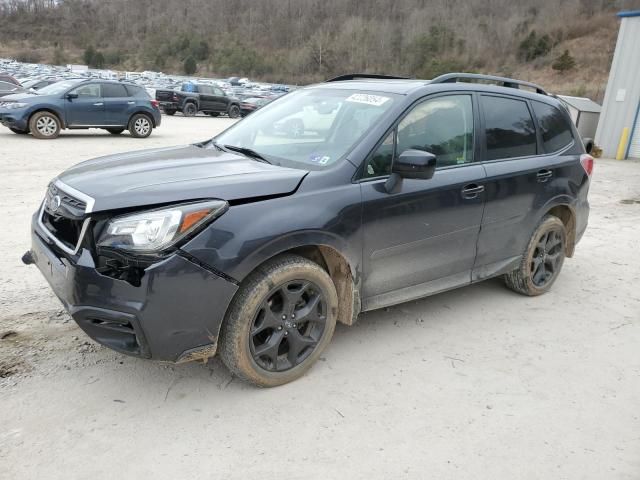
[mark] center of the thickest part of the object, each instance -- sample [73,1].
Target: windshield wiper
[247,152]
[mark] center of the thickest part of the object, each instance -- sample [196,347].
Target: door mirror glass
[71,96]
[416,164]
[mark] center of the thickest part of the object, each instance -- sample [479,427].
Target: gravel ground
[474,383]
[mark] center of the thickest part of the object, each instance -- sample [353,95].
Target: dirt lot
[474,383]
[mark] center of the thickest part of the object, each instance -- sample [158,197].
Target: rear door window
[509,128]
[554,126]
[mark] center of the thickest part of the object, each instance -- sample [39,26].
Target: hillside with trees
[566,46]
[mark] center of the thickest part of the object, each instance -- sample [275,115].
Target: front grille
[72,205]
[63,217]
[66,230]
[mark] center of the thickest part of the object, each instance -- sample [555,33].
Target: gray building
[618,132]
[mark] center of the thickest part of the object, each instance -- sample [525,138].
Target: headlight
[12,105]
[156,230]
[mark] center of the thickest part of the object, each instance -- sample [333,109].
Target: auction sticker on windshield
[376,100]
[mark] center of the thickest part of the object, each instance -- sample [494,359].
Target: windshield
[309,128]
[58,87]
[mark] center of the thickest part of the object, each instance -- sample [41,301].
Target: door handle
[98,104]
[471,191]
[544,175]
[131,103]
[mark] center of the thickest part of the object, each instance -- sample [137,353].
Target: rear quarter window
[137,92]
[554,126]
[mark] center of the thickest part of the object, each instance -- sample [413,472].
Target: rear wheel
[140,126]
[19,132]
[542,261]
[234,111]
[115,131]
[190,110]
[44,125]
[280,321]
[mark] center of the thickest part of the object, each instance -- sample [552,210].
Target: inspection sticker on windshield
[376,100]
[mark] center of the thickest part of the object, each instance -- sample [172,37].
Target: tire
[190,109]
[234,111]
[115,131]
[169,111]
[140,126]
[19,132]
[261,301]
[44,125]
[542,260]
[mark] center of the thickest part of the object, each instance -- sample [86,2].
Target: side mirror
[71,96]
[415,164]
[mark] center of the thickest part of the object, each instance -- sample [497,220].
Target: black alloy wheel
[288,326]
[547,257]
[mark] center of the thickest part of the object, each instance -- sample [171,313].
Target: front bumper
[14,118]
[174,315]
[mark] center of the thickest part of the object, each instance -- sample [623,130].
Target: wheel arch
[59,116]
[145,113]
[562,209]
[331,258]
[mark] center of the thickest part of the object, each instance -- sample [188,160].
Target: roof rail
[502,81]
[357,76]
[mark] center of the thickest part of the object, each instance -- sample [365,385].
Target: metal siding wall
[634,149]
[624,74]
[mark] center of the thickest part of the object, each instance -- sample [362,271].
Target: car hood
[21,97]
[175,174]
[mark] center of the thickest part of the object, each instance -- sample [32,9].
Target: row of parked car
[56,99]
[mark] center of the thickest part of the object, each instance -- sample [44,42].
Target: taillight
[587,162]
[155,104]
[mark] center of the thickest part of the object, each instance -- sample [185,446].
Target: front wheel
[279,322]
[44,125]
[542,260]
[234,111]
[140,126]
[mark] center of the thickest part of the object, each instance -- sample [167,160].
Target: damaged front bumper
[174,314]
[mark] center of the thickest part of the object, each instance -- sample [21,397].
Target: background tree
[190,66]
[564,62]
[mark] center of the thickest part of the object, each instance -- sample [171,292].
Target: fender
[249,234]
[50,108]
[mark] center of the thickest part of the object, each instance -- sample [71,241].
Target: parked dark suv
[255,243]
[80,104]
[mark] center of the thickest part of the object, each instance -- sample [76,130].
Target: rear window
[509,128]
[138,92]
[554,126]
[113,90]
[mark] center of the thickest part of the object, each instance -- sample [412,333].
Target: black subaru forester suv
[255,243]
